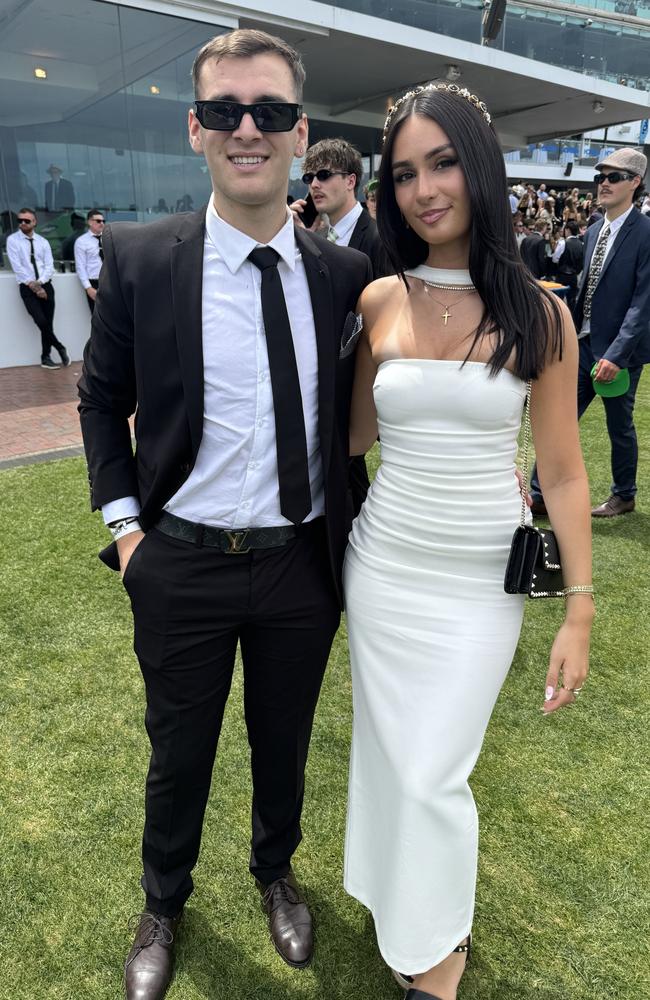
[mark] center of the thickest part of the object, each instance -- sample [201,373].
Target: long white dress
[432,635]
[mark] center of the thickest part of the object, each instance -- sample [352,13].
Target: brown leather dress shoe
[289,921]
[613,506]
[149,964]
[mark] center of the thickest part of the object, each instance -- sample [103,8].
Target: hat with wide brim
[617,387]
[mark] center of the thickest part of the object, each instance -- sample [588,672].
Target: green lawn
[562,909]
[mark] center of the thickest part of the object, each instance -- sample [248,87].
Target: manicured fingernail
[550,691]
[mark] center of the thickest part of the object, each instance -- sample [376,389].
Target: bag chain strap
[524,488]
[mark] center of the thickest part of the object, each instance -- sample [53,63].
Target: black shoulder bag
[534,561]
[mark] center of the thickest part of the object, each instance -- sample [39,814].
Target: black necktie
[293,466]
[99,240]
[32,258]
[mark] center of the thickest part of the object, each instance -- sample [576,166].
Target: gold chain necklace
[446,315]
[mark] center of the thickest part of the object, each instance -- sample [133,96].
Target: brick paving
[38,413]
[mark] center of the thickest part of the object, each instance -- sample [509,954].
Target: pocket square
[351,332]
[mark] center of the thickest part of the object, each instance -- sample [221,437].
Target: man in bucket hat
[612,317]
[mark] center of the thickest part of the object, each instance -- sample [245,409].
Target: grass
[562,898]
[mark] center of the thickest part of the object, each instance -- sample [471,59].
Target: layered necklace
[445,281]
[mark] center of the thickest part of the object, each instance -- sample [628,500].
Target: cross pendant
[446,315]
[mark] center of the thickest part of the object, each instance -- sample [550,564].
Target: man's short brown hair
[335,154]
[243,44]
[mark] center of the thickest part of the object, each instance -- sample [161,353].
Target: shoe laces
[152,929]
[280,892]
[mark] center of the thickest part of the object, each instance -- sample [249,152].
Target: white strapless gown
[432,635]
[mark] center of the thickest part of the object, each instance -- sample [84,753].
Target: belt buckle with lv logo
[237,539]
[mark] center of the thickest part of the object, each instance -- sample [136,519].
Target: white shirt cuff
[117,509]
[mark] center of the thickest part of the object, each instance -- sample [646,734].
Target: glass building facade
[95,95]
[100,92]
[612,49]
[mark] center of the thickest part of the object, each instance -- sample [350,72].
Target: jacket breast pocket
[350,337]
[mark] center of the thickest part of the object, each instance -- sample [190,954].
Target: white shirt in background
[19,254]
[345,226]
[87,261]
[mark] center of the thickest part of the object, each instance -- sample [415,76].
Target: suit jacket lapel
[590,245]
[358,232]
[320,289]
[187,292]
[621,236]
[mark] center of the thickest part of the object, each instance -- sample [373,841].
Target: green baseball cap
[617,387]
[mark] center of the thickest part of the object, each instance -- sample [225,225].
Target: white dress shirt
[614,229]
[87,261]
[19,253]
[559,250]
[234,482]
[345,226]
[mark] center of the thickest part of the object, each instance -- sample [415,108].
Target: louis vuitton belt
[229,540]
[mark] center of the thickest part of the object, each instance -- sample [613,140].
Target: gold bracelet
[578,589]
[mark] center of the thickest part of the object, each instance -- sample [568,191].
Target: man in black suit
[533,249]
[612,317]
[569,259]
[59,193]
[233,332]
[333,172]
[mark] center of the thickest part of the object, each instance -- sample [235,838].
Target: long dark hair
[522,316]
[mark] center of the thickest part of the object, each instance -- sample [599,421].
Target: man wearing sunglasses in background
[31,260]
[233,332]
[333,172]
[612,317]
[88,255]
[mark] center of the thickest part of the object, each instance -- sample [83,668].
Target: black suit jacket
[64,195]
[533,253]
[365,238]
[572,260]
[146,349]
[620,309]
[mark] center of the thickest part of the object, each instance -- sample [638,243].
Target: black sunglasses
[322,175]
[21,221]
[269,116]
[615,177]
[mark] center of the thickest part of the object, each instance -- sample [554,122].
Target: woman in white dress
[442,364]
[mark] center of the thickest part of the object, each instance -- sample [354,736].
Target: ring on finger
[574,691]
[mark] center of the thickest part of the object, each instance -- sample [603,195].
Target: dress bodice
[448,418]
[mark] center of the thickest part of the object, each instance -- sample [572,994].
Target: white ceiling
[354,63]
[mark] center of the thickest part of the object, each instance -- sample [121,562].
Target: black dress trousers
[191,605]
[94,283]
[42,312]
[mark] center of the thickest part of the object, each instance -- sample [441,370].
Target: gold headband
[451,88]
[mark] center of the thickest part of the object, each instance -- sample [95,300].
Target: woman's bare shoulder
[379,293]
